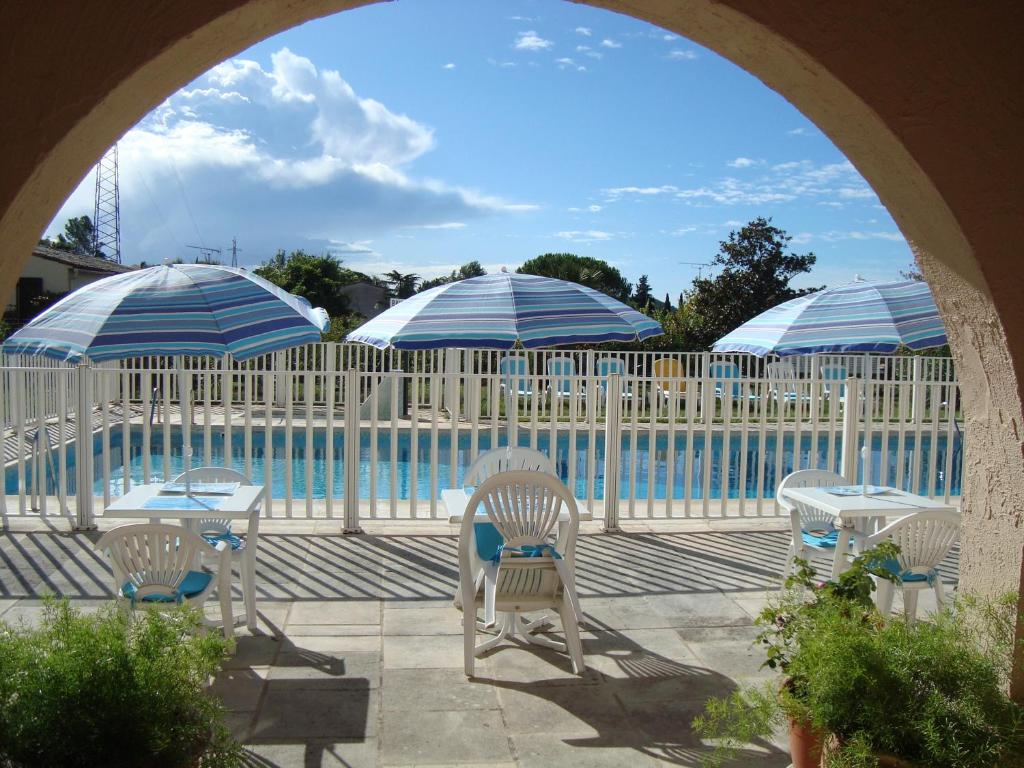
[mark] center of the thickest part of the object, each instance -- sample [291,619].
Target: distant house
[51,272]
[367,299]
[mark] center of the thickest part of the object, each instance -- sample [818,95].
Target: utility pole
[235,250]
[698,264]
[106,217]
[206,252]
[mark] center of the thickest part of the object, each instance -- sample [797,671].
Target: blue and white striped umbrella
[180,309]
[495,311]
[857,317]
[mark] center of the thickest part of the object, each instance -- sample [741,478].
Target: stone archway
[923,98]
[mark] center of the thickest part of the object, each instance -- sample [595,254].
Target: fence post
[351,403]
[84,520]
[851,419]
[612,452]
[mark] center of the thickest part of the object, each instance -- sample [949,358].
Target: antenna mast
[698,264]
[206,252]
[235,250]
[106,219]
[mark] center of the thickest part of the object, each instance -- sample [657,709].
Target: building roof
[80,261]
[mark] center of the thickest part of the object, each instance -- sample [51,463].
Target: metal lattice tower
[106,220]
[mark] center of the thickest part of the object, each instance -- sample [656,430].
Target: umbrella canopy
[858,317]
[496,311]
[179,309]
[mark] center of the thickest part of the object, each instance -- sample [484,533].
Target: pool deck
[358,659]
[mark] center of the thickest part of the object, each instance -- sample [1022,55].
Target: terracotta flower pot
[805,744]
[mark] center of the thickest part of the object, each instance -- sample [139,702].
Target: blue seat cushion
[893,567]
[229,537]
[488,540]
[193,583]
[820,539]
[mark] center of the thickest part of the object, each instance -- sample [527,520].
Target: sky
[422,134]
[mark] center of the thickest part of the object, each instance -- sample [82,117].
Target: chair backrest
[213,526]
[524,507]
[669,375]
[805,516]
[725,373]
[924,538]
[833,372]
[607,366]
[514,370]
[506,460]
[154,557]
[561,370]
[782,376]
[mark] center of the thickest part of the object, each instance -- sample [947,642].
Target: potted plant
[110,689]
[861,690]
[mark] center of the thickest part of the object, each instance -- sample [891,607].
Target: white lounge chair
[515,376]
[155,564]
[783,383]
[532,571]
[812,529]
[562,377]
[215,529]
[834,375]
[924,539]
[727,378]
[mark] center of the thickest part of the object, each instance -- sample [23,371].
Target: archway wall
[923,98]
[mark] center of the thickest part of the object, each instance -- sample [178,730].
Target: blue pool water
[649,464]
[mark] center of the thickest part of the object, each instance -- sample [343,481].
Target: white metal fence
[348,432]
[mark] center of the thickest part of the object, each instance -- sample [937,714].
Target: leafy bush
[930,694]
[111,690]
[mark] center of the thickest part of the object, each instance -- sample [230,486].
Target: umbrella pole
[185,411]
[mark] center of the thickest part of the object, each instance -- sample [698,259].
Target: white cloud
[680,231]
[801,238]
[584,236]
[585,31]
[284,157]
[681,55]
[594,208]
[743,162]
[733,223]
[668,37]
[445,225]
[530,41]
[567,63]
[617,192]
[609,43]
[340,248]
[449,65]
[833,236]
[798,132]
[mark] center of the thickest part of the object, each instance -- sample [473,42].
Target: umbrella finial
[505,270]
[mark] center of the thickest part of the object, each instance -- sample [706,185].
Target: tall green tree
[77,236]
[318,279]
[642,296]
[755,271]
[470,269]
[585,270]
[667,306]
[400,285]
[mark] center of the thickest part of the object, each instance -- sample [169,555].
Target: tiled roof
[78,261]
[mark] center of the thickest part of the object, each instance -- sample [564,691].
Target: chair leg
[884,596]
[469,640]
[910,605]
[940,593]
[790,556]
[572,636]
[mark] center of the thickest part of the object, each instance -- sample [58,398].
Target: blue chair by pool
[515,373]
[833,373]
[606,366]
[727,379]
[562,377]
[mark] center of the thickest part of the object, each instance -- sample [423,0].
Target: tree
[401,286]
[593,273]
[913,272]
[470,269]
[667,306]
[642,297]
[755,274]
[318,279]
[77,237]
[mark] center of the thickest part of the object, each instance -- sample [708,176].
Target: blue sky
[423,134]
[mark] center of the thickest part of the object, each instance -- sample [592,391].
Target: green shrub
[111,690]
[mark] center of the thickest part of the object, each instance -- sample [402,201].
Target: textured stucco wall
[923,97]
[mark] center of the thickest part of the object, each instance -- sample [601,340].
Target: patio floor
[358,661]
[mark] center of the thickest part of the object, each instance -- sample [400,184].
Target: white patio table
[851,512]
[244,504]
[455,501]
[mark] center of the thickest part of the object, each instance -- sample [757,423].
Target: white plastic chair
[783,382]
[562,377]
[726,376]
[924,539]
[153,566]
[485,535]
[215,529]
[812,529]
[530,573]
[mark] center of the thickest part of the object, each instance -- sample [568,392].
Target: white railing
[348,432]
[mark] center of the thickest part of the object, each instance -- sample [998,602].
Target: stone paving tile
[443,620]
[423,652]
[445,737]
[542,750]
[335,612]
[342,670]
[299,710]
[424,690]
[313,753]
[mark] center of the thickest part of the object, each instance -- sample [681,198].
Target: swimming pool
[652,470]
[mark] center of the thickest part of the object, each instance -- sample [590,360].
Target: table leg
[248,570]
